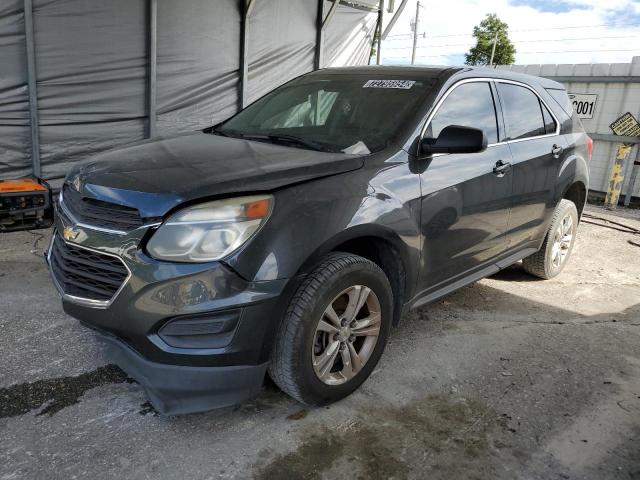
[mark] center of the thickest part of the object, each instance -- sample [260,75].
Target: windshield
[356,115]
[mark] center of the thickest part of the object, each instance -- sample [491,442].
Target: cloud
[543,31]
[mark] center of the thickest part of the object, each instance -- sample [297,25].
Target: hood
[155,176]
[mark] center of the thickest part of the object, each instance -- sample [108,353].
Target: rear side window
[522,111]
[562,99]
[469,105]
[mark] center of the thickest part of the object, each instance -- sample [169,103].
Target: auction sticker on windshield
[402,84]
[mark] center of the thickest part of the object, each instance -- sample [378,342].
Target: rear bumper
[180,389]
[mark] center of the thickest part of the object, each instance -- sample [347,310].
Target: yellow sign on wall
[626,126]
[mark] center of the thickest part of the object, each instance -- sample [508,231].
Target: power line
[536,40]
[529,30]
[571,39]
[515,42]
[538,52]
[585,51]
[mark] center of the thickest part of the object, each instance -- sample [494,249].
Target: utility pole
[415,33]
[493,50]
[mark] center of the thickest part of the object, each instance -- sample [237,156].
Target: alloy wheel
[346,335]
[562,241]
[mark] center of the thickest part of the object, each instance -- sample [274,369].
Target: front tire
[334,331]
[551,259]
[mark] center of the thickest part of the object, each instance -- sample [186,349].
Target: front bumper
[180,389]
[192,372]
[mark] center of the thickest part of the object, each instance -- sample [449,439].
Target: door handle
[556,150]
[501,168]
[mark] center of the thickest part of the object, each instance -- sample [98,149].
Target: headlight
[211,230]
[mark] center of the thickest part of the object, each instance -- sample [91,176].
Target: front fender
[408,255]
[315,218]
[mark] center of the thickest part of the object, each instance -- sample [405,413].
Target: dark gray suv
[293,236]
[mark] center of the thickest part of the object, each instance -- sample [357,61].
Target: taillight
[589,146]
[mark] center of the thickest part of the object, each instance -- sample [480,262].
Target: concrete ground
[509,378]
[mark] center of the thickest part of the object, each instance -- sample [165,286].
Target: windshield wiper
[271,137]
[281,137]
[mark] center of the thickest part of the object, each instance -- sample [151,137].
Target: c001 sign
[584,104]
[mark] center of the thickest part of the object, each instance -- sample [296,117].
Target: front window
[468,105]
[356,115]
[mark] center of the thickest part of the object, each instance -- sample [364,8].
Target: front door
[465,197]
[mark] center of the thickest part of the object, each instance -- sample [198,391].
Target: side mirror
[455,139]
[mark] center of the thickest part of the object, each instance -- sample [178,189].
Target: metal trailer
[617,86]
[79,77]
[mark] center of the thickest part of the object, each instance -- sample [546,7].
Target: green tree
[485,33]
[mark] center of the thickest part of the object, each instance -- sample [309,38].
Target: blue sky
[557,6]
[543,31]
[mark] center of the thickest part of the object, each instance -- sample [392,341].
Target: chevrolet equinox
[290,238]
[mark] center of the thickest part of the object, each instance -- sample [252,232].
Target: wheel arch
[577,193]
[382,246]
[573,181]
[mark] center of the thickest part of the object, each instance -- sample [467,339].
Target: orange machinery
[25,204]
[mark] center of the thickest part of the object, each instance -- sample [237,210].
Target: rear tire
[554,254]
[327,345]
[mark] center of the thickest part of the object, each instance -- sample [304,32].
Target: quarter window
[549,122]
[469,105]
[562,99]
[522,111]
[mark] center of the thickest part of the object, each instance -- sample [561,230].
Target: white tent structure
[83,76]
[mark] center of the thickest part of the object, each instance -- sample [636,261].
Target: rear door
[536,150]
[465,201]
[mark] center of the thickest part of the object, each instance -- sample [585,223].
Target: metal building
[603,92]
[83,76]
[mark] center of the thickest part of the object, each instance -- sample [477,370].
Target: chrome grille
[86,274]
[98,213]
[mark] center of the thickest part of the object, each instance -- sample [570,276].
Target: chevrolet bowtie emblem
[69,233]
[77,183]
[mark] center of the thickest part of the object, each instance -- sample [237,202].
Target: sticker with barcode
[401,84]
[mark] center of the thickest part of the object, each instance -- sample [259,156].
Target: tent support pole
[32,85]
[380,20]
[317,61]
[332,10]
[321,25]
[153,67]
[247,7]
[394,19]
